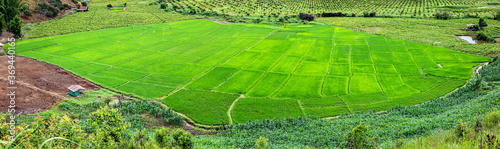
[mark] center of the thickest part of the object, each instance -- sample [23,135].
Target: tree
[482,23]
[15,26]
[84,4]
[10,8]
[2,23]
[109,6]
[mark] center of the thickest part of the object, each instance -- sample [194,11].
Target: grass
[299,62]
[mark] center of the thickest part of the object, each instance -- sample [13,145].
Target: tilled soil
[39,85]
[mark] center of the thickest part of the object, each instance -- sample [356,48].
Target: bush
[163,138]
[84,4]
[482,36]
[373,14]
[366,14]
[124,4]
[357,138]
[443,15]
[492,119]
[107,100]
[460,130]
[305,16]
[109,6]
[497,15]
[261,143]
[336,14]
[15,26]
[163,6]
[107,124]
[482,23]
[183,139]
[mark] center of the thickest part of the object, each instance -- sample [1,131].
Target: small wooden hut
[75,90]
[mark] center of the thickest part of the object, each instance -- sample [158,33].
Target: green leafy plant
[261,143]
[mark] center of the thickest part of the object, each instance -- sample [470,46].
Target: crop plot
[249,109]
[200,68]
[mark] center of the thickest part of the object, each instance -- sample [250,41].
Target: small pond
[470,39]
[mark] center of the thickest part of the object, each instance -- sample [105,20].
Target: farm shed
[74,90]
[83,8]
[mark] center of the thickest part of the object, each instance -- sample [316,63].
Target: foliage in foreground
[97,126]
[467,104]
[479,133]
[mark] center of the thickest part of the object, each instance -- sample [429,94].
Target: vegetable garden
[216,73]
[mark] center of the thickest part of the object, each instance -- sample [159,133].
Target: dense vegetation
[84,123]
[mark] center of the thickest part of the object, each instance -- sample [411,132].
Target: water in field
[470,39]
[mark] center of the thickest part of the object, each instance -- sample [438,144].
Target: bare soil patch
[39,85]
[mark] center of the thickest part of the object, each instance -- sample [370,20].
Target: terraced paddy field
[240,72]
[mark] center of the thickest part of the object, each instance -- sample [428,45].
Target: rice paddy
[216,73]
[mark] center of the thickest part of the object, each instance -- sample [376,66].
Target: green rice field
[216,73]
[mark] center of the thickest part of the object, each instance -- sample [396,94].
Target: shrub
[366,14]
[261,143]
[107,100]
[15,26]
[373,14]
[357,138]
[163,6]
[497,15]
[163,138]
[84,4]
[109,6]
[305,16]
[183,139]
[107,124]
[336,14]
[482,23]
[482,36]
[492,119]
[124,4]
[443,15]
[460,130]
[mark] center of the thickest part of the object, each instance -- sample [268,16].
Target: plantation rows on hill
[290,7]
[301,70]
[99,17]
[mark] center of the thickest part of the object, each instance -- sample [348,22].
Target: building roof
[75,88]
[470,24]
[1,45]
[83,8]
